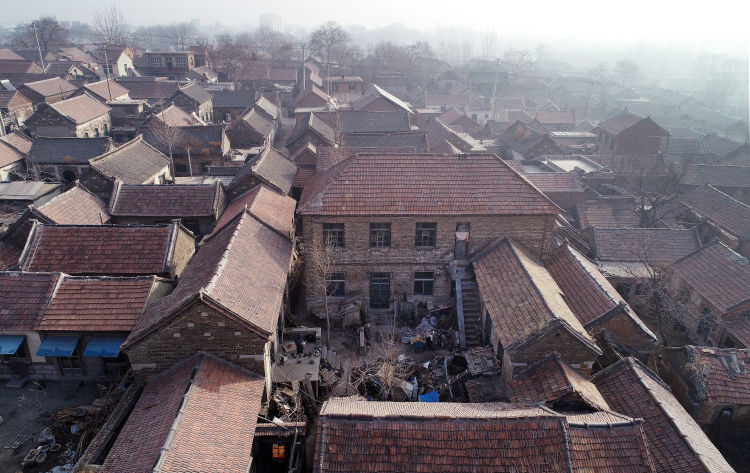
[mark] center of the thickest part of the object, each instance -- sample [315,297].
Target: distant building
[271,21]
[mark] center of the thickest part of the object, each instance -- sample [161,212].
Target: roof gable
[76,206]
[135,162]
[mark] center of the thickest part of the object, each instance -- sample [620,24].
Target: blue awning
[106,347]
[429,397]
[9,343]
[58,345]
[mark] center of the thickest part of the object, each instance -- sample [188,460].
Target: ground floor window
[424,282]
[71,364]
[278,451]
[336,285]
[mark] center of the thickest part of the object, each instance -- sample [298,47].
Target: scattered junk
[344,314]
[17,442]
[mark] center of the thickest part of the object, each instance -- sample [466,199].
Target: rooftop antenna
[106,74]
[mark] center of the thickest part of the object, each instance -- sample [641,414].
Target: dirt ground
[27,411]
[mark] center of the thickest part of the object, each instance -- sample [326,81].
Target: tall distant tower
[271,21]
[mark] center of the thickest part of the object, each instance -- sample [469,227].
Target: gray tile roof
[67,150]
[134,162]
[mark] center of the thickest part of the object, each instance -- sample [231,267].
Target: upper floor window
[380,235]
[612,144]
[180,61]
[333,234]
[426,235]
[155,61]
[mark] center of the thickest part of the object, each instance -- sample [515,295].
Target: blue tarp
[429,397]
[9,343]
[106,347]
[58,345]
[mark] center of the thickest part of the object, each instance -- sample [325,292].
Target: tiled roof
[452,115]
[19,141]
[445,100]
[314,90]
[552,182]
[676,442]
[76,54]
[520,137]
[739,328]
[681,145]
[620,122]
[81,108]
[551,379]
[726,212]
[256,121]
[233,98]
[717,273]
[68,150]
[270,207]
[327,157]
[51,86]
[353,121]
[150,89]
[720,146]
[636,166]
[178,201]
[655,246]
[388,184]
[6,97]
[721,374]
[77,206]
[315,124]
[134,162]
[8,154]
[267,107]
[414,139]
[107,90]
[25,297]
[273,167]
[547,117]
[481,438]
[718,176]
[195,92]
[376,92]
[201,139]
[520,295]
[213,407]
[8,55]
[105,249]
[97,304]
[175,116]
[608,212]
[244,253]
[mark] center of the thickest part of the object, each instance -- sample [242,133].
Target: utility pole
[303,66]
[494,90]
[107,65]
[38,47]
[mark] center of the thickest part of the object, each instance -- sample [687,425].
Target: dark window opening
[192,225]
[204,167]
[380,290]
[333,235]
[180,169]
[426,235]
[380,235]
[624,290]
[424,282]
[336,285]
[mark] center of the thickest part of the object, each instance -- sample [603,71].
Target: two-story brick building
[629,134]
[398,221]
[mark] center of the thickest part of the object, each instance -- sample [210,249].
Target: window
[180,61]
[180,168]
[96,132]
[71,364]
[20,355]
[193,225]
[426,235]
[333,234]
[352,87]
[85,135]
[155,61]
[106,129]
[612,144]
[380,235]
[204,167]
[278,452]
[336,285]
[423,283]
[624,290]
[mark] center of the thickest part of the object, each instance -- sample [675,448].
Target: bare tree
[49,32]
[321,263]
[181,35]
[518,59]
[167,135]
[328,38]
[110,24]
[488,43]
[599,73]
[627,71]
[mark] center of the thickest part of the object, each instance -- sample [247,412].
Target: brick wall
[183,251]
[97,183]
[191,332]
[570,348]
[380,105]
[627,332]
[96,124]
[402,259]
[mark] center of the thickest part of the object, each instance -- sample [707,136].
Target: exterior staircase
[472,313]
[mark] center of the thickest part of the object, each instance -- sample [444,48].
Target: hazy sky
[695,21]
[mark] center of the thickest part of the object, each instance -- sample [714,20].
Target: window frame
[419,237]
[336,284]
[180,61]
[333,235]
[380,235]
[422,282]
